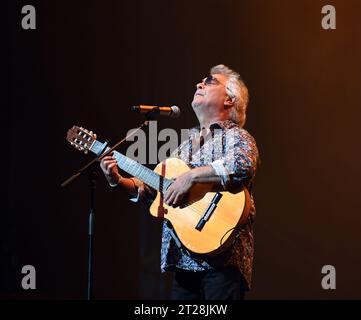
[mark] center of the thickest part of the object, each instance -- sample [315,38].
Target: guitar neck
[136,169]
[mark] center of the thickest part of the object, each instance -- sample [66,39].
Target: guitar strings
[199,209]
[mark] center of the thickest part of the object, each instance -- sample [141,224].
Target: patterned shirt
[233,154]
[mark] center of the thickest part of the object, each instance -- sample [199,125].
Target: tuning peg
[86,151]
[95,135]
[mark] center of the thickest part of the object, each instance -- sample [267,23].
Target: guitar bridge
[209,211]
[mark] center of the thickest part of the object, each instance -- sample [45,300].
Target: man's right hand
[109,167]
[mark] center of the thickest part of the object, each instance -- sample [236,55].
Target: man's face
[211,92]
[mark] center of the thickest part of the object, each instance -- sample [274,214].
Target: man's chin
[195,104]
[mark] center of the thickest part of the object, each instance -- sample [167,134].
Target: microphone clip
[152,114]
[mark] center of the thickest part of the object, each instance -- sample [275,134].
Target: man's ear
[229,102]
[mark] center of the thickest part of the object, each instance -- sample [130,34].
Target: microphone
[172,111]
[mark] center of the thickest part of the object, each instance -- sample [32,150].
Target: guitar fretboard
[136,169]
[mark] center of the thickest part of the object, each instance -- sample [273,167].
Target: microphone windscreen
[175,112]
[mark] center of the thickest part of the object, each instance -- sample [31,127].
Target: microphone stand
[91,171]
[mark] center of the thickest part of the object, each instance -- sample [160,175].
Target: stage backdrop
[87,62]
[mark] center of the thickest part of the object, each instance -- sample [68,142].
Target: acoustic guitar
[205,223]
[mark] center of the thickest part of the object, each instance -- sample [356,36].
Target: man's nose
[200,85]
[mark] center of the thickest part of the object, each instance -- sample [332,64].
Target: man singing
[220,104]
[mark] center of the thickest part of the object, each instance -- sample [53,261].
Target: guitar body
[231,210]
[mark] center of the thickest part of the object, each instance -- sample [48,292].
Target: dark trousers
[225,284]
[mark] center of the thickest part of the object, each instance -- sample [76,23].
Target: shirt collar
[224,124]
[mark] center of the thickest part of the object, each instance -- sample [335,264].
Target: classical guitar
[205,223]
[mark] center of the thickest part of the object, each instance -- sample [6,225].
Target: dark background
[88,62]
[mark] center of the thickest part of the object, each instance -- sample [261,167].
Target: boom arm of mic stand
[85,168]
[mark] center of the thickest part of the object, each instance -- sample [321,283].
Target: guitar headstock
[82,139]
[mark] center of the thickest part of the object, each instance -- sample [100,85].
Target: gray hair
[237,90]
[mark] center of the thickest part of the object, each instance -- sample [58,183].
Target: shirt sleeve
[145,195]
[238,163]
